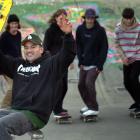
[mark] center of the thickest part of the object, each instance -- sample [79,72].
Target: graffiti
[75,13]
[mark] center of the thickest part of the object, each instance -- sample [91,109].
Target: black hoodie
[53,39]
[92,45]
[34,83]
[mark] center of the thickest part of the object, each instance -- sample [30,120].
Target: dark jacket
[53,39]
[11,44]
[34,83]
[92,45]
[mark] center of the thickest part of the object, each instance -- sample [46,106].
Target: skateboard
[5,6]
[63,120]
[135,115]
[89,118]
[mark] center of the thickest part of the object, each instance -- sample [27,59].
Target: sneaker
[133,107]
[90,112]
[64,110]
[84,109]
[137,111]
[62,114]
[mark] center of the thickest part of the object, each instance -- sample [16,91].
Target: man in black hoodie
[34,82]
[92,46]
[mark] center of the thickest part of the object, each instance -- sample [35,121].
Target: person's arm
[64,58]
[48,39]
[120,50]
[79,47]
[7,64]
[103,50]
[20,50]
[2,41]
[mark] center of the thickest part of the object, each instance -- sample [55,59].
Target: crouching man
[34,82]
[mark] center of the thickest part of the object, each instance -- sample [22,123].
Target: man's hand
[81,67]
[71,67]
[97,70]
[65,25]
[125,61]
[128,61]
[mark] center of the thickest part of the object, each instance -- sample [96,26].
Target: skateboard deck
[64,119]
[135,115]
[89,118]
[5,6]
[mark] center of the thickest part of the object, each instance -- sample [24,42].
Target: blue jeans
[13,122]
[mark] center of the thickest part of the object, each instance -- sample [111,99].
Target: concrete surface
[114,121]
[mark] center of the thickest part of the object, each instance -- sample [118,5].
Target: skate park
[113,122]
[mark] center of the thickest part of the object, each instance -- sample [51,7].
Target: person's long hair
[56,14]
[7,27]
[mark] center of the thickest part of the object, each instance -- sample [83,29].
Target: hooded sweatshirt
[92,45]
[34,83]
[53,40]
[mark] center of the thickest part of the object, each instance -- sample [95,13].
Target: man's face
[89,22]
[128,21]
[32,51]
[13,27]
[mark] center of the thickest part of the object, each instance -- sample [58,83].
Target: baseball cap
[33,38]
[90,13]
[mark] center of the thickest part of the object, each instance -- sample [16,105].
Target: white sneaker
[90,112]
[84,109]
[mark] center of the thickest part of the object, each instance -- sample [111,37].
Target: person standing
[128,46]
[53,42]
[92,47]
[10,42]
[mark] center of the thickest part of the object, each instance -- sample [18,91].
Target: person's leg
[90,86]
[82,87]
[4,112]
[64,88]
[57,107]
[128,74]
[15,123]
[6,102]
[135,83]
[61,88]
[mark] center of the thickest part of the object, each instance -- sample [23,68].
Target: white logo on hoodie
[31,69]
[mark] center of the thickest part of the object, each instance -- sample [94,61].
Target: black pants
[87,89]
[131,80]
[62,89]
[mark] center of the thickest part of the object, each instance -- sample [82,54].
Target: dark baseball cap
[33,38]
[90,13]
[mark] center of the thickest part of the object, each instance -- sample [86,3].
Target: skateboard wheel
[85,120]
[135,116]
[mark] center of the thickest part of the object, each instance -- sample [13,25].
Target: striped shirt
[129,41]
